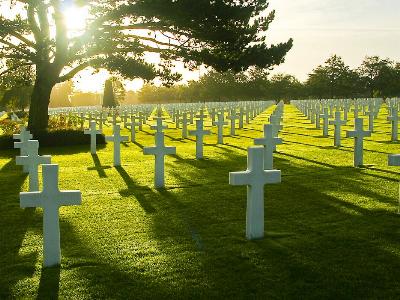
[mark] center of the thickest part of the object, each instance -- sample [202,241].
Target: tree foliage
[227,35]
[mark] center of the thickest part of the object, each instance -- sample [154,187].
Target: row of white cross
[50,199]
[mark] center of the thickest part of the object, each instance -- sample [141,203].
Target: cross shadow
[143,194]
[141,146]
[98,166]
[49,283]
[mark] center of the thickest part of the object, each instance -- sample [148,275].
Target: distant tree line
[376,77]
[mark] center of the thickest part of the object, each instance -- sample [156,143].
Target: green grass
[331,230]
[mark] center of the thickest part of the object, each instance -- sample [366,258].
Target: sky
[351,29]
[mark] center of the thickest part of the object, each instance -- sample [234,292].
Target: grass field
[331,230]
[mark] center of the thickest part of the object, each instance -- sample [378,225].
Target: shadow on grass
[49,283]
[98,166]
[14,223]
[143,194]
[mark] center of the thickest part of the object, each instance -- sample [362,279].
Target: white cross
[132,125]
[325,119]
[102,120]
[358,134]
[159,151]
[185,123]
[159,127]
[199,133]
[116,138]
[394,120]
[50,199]
[269,142]
[201,115]
[32,160]
[241,115]
[93,133]
[337,122]
[233,117]
[371,116]
[24,136]
[394,161]
[220,125]
[255,177]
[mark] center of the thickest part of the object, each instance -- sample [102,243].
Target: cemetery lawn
[332,231]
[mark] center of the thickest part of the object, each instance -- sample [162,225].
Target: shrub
[8,127]
[55,138]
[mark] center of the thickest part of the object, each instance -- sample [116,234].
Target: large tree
[219,33]
[333,79]
[380,76]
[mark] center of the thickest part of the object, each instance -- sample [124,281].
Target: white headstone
[24,136]
[220,125]
[32,160]
[233,117]
[93,133]
[199,133]
[269,142]
[325,120]
[255,177]
[50,199]
[394,120]
[337,122]
[117,139]
[394,161]
[358,134]
[159,151]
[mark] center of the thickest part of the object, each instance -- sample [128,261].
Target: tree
[16,86]
[379,76]
[333,79]
[285,87]
[227,35]
[108,96]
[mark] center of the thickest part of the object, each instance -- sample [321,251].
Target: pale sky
[349,28]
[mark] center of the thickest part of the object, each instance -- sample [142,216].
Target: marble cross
[24,136]
[93,133]
[371,117]
[159,127]
[325,119]
[32,160]
[199,133]
[337,122]
[220,125]
[269,142]
[185,122]
[394,120]
[117,139]
[132,125]
[358,134]
[394,161]
[50,199]
[159,151]
[233,117]
[255,177]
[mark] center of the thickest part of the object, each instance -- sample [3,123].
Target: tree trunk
[40,99]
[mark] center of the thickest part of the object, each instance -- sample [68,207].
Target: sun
[76,18]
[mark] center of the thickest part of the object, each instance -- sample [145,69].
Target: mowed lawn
[332,231]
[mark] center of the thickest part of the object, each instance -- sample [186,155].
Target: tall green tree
[379,76]
[219,33]
[333,79]
[108,95]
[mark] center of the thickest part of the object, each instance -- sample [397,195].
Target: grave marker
[255,177]
[50,199]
